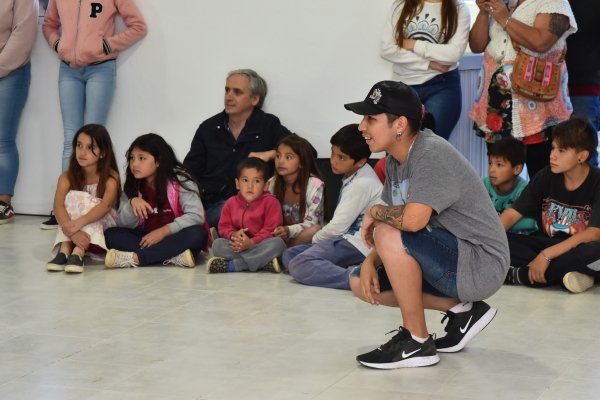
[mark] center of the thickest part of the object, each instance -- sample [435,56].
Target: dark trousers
[126,239]
[584,258]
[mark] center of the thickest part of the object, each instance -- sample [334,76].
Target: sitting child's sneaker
[51,223]
[576,282]
[7,214]
[214,234]
[185,259]
[273,266]
[463,326]
[216,265]
[74,264]
[58,263]
[119,259]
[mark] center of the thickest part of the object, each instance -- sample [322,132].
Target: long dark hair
[411,8]
[309,167]
[107,163]
[169,169]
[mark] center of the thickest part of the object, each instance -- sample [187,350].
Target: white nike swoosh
[463,330]
[404,355]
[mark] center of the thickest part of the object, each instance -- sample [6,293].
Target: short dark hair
[350,141]
[428,122]
[256,163]
[509,148]
[575,133]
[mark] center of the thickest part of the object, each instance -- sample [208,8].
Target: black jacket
[214,155]
[583,47]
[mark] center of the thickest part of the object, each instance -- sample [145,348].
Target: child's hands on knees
[141,207]
[368,278]
[282,232]
[81,240]
[155,236]
[71,227]
[240,241]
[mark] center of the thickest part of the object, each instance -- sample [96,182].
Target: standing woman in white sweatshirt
[424,39]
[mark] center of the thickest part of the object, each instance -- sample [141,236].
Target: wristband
[544,255]
[506,23]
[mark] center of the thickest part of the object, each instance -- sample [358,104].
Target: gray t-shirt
[438,176]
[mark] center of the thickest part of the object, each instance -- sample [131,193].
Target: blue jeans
[192,238]
[589,107]
[213,212]
[442,97]
[14,89]
[85,98]
[323,264]
[436,251]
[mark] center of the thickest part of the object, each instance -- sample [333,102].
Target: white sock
[418,339]
[462,307]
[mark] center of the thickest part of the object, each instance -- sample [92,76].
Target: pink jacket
[88,29]
[261,217]
[173,197]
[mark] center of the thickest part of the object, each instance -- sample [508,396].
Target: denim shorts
[436,251]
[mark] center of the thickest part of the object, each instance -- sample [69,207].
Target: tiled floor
[171,333]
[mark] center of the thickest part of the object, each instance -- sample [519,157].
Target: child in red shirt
[246,225]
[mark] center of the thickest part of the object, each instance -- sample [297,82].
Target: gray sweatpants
[252,259]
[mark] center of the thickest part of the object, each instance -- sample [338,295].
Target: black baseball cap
[392,97]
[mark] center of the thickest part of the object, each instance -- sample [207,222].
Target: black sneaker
[74,264]
[50,224]
[58,263]
[7,214]
[463,327]
[402,351]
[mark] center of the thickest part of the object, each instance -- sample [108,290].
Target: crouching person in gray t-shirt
[439,245]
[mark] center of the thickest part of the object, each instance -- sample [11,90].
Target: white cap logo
[376,96]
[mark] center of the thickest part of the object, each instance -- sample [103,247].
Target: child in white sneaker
[85,198]
[161,217]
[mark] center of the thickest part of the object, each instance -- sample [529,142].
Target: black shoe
[74,264]
[7,214]
[402,351]
[463,327]
[58,263]
[50,224]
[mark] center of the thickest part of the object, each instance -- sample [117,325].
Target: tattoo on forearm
[559,24]
[392,216]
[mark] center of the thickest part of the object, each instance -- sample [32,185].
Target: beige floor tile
[172,334]
[483,386]
[27,391]
[583,370]
[127,353]
[81,375]
[173,382]
[46,346]
[499,362]
[113,395]
[15,366]
[339,392]
[561,390]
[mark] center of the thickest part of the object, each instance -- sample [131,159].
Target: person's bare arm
[411,217]
[510,217]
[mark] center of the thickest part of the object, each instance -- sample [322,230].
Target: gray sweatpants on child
[252,259]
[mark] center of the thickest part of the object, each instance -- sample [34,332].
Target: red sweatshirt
[87,34]
[261,217]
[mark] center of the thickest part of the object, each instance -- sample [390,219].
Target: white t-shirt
[412,67]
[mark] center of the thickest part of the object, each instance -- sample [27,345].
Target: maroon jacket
[261,217]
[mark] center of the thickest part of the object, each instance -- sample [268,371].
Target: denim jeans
[589,107]
[253,258]
[213,212]
[192,238]
[442,97]
[14,89]
[85,98]
[324,264]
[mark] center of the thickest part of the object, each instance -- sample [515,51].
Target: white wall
[316,55]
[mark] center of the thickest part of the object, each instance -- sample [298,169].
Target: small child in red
[246,223]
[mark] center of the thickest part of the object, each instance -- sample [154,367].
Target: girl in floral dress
[299,187]
[85,199]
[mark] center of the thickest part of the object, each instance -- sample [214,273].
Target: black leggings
[524,248]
